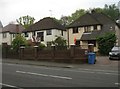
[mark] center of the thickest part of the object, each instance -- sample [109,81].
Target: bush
[17,42]
[59,41]
[106,42]
[41,46]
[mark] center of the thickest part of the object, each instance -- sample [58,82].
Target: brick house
[88,27]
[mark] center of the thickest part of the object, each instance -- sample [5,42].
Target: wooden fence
[74,54]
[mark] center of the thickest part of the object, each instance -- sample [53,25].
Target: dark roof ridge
[94,17]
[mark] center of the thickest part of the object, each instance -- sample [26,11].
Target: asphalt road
[20,76]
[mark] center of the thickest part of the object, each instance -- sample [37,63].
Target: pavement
[102,62]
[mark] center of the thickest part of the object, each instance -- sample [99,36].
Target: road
[21,75]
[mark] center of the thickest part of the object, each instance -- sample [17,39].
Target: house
[8,33]
[1,26]
[45,31]
[118,33]
[88,27]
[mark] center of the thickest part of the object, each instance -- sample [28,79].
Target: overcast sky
[10,10]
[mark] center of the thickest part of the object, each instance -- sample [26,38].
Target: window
[40,35]
[87,29]
[75,30]
[92,42]
[26,34]
[49,32]
[62,32]
[13,35]
[33,33]
[4,35]
[95,27]
[49,44]
[78,43]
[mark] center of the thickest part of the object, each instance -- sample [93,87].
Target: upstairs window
[4,35]
[33,33]
[87,29]
[75,30]
[95,27]
[26,34]
[48,32]
[14,35]
[62,32]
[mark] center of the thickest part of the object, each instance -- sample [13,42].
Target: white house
[8,33]
[46,30]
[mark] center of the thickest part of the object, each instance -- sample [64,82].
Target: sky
[10,10]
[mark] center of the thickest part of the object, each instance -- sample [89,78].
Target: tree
[59,41]
[17,42]
[112,11]
[66,20]
[26,21]
[106,42]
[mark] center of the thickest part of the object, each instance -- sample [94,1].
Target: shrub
[41,46]
[18,41]
[106,42]
[60,43]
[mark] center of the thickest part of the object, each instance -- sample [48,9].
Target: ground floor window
[49,44]
[40,35]
[77,42]
[92,42]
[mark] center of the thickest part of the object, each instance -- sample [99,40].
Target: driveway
[104,60]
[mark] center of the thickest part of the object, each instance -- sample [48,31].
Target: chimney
[17,28]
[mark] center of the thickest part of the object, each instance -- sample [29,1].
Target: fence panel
[28,53]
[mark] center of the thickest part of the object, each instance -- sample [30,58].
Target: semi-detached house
[8,33]
[46,30]
[88,27]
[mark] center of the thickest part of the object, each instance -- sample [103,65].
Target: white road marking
[117,83]
[98,70]
[7,85]
[107,73]
[54,76]
[60,77]
[110,72]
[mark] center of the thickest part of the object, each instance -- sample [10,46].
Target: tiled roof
[1,26]
[84,20]
[46,24]
[91,19]
[13,28]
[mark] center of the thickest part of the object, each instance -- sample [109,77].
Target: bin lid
[91,53]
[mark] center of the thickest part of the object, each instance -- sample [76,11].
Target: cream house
[8,33]
[45,31]
[88,27]
[117,28]
[1,26]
